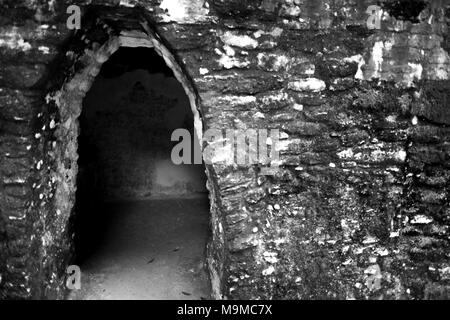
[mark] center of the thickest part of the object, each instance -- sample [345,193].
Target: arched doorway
[69,100]
[141,222]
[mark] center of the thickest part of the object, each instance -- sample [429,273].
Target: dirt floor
[151,249]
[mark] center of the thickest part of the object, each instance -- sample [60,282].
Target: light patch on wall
[230,62]
[229,50]
[275,98]
[360,60]
[259,115]
[44,50]
[231,100]
[416,70]
[275,32]
[13,40]
[348,153]
[421,219]
[185,10]
[236,40]
[400,155]
[126,3]
[377,57]
[309,84]
[415,73]
[222,154]
[175,8]
[441,67]
[283,145]
[274,62]
[203,71]
[238,100]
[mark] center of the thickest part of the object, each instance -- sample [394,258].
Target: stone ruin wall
[360,206]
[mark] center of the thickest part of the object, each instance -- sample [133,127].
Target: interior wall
[126,127]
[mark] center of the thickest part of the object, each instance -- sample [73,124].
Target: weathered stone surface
[359,206]
[435,103]
[24,76]
[18,105]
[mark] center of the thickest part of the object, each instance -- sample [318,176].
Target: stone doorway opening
[105,38]
[141,222]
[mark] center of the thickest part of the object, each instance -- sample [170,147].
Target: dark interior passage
[141,222]
[126,125]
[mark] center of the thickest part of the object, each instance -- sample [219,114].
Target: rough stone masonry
[359,208]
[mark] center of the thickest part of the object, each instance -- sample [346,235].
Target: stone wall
[360,205]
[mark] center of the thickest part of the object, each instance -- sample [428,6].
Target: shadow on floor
[152,249]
